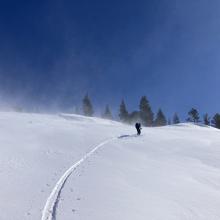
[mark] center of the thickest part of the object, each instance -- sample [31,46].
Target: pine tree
[87,106]
[107,114]
[134,117]
[123,113]
[176,119]
[216,121]
[146,114]
[206,119]
[160,119]
[193,116]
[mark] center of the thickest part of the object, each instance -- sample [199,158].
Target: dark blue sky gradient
[53,52]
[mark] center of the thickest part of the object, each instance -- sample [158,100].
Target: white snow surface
[67,167]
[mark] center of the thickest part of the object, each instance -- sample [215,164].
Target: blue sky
[53,52]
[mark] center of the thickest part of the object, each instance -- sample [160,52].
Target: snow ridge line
[49,210]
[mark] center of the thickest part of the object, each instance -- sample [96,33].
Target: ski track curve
[49,211]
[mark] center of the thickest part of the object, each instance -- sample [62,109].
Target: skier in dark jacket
[138,127]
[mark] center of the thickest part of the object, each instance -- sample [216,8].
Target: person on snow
[138,127]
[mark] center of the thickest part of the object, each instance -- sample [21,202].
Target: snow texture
[59,167]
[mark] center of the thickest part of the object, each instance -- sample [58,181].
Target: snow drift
[167,173]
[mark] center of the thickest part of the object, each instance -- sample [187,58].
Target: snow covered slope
[63,167]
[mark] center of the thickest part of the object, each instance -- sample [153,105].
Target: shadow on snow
[127,136]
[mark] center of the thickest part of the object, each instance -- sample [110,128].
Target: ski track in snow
[49,211]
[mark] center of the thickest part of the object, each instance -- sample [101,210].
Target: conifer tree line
[146,116]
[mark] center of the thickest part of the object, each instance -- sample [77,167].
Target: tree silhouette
[107,113]
[193,116]
[160,119]
[123,113]
[216,120]
[176,119]
[146,114]
[206,119]
[134,117]
[87,106]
